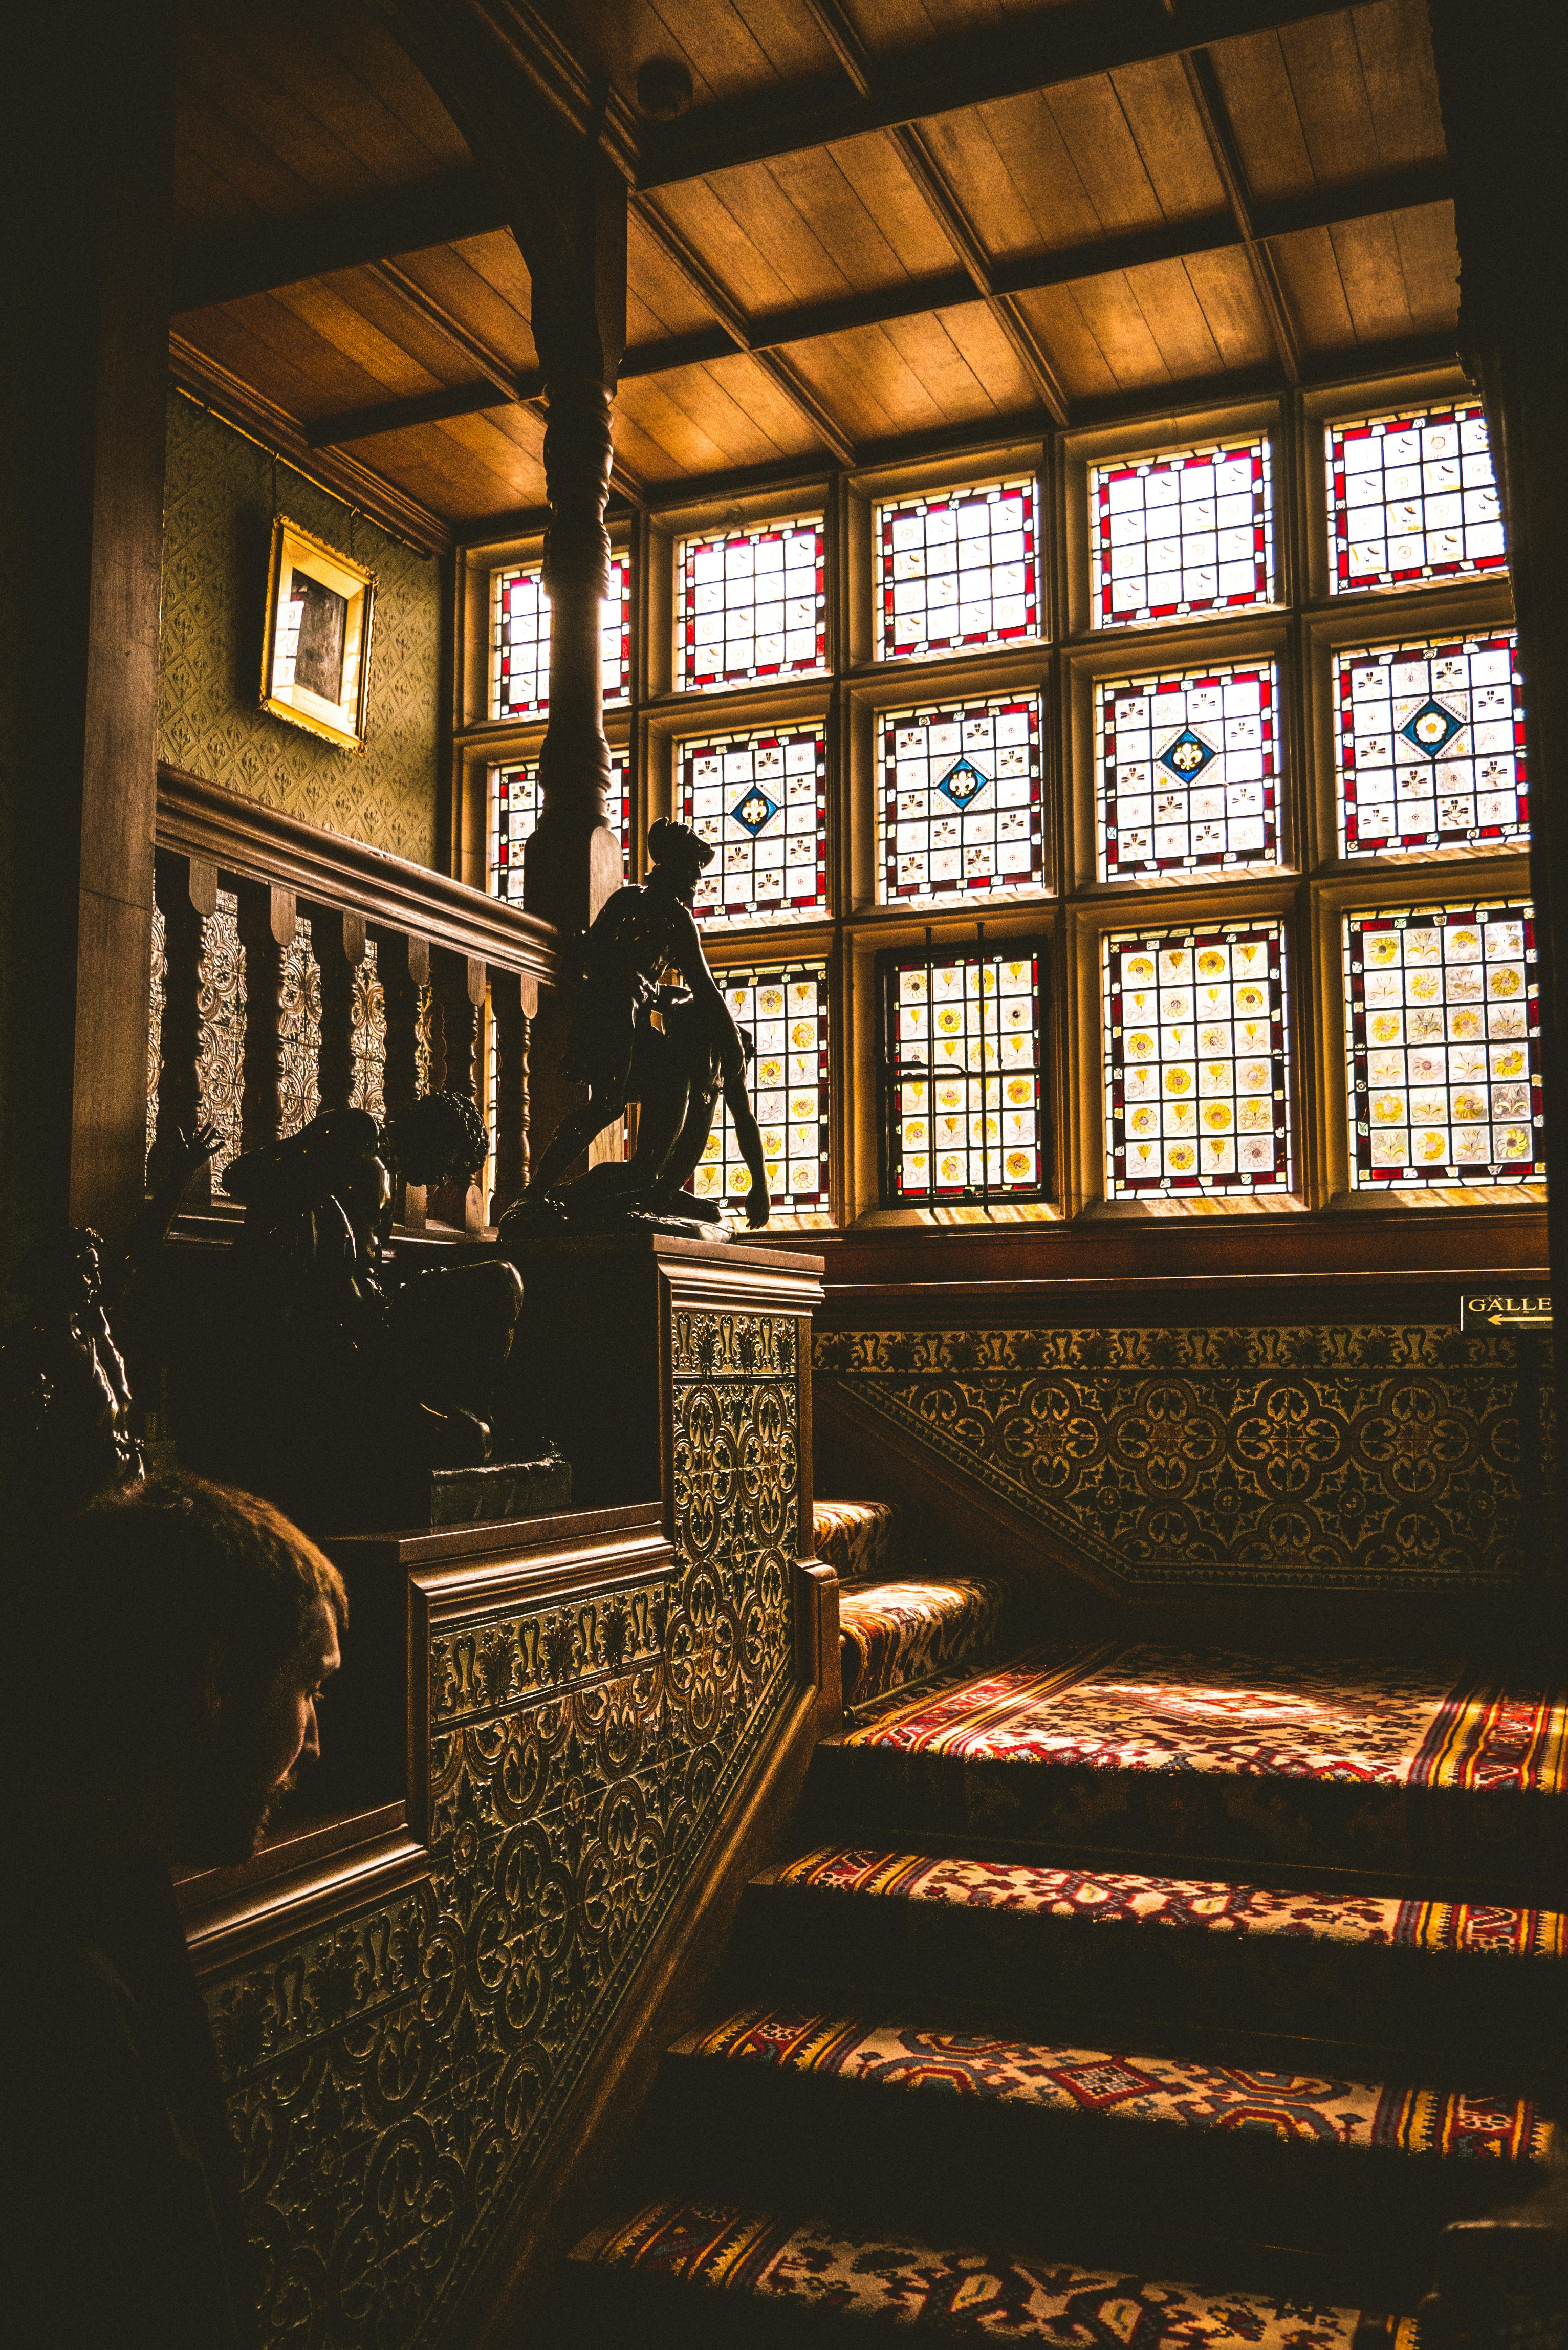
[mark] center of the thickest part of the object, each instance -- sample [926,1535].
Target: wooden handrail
[239,836]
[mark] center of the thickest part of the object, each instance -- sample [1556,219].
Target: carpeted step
[894,1635]
[862,1541]
[939,2121]
[1480,1989]
[706,2273]
[1094,1756]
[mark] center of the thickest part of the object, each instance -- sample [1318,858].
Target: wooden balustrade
[367,982]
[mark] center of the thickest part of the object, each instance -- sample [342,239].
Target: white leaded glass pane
[1430,744]
[958,570]
[1412,497]
[514,812]
[783,1008]
[520,641]
[749,604]
[959,803]
[761,800]
[962,1112]
[1196,1093]
[1181,537]
[1443,1046]
[1187,769]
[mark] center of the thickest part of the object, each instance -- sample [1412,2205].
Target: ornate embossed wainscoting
[433,2027]
[1353,1467]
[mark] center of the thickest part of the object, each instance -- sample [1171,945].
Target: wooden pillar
[188,895]
[512,1000]
[85,163]
[1500,114]
[457,983]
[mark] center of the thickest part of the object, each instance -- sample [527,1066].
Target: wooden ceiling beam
[1056,45]
[737,327]
[257,256]
[914,298]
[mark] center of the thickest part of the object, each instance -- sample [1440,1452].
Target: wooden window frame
[1308,889]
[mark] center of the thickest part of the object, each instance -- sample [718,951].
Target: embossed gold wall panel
[218,509]
[1349,1458]
[392,2078]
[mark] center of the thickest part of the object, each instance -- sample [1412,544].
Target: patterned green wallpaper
[1344,1457]
[217,521]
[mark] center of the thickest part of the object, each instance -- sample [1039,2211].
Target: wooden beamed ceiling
[883,220]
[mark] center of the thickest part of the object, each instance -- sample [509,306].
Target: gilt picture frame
[315,647]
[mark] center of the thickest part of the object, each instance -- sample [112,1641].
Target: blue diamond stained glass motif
[755,810]
[1431,729]
[1188,755]
[962,783]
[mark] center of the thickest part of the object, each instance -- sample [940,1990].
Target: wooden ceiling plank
[1044,48]
[321,87]
[1157,107]
[876,390]
[1112,313]
[387,363]
[1324,66]
[270,115]
[1394,41]
[1173,317]
[880,179]
[1429,254]
[1104,154]
[788,34]
[785,241]
[205,193]
[259,255]
[1310,275]
[1227,292]
[856,250]
[1208,104]
[478,306]
[378,59]
[1262,108]
[696,431]
[1371,271]
[1010,162]
[653,280]
[1058,315]
[226,147]
[965,359]
[290,358]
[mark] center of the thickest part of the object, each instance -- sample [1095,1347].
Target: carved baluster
[267,931]
[512,1001]
[404,966]
[338,943]
[188,895]
[458,982]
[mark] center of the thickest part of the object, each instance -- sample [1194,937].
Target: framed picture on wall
[315,653]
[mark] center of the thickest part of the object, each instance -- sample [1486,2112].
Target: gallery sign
[1528,1309]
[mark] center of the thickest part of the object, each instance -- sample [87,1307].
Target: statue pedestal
[621,1331]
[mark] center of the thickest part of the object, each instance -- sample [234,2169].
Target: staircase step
[933,2116]
[1099,1755]
[1480,1986]
[861,1540]
[699,2273]
[892,1634]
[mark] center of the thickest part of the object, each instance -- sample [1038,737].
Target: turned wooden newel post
[188,896]
[513,999]
[403,966]
[267,933]
[338,943]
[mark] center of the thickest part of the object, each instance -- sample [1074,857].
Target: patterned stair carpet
[989,2293]
[1371,1763]
[893,1635]
[860,1539]
[1478,1983]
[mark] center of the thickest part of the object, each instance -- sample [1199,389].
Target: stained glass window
[520,641]
[761,800]
[1443,1046]
[958,810]
[513,813]
[1430,744]
[1188,771]
[749,604]
[783,1008]
[1179,536]
[958,570]
[1196,1093]
[964,1111]
[1412,498]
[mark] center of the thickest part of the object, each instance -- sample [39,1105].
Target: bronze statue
[64,1394]
[634,1037]
[355,1390]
